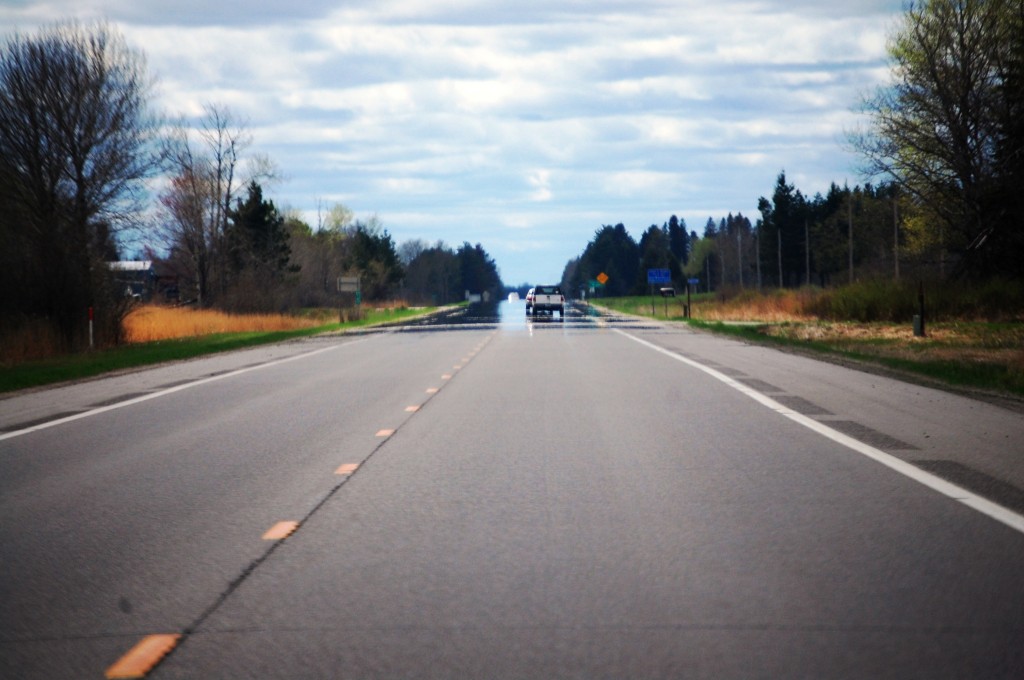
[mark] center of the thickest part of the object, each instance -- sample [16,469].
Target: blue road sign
[693,282]
[659,276]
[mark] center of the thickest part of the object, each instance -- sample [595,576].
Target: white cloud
[675,86]
[408,185]
[639,184]
[540,180]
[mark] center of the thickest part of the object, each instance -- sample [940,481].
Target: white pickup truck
[545,300]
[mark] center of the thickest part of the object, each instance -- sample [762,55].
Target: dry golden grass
[964,342]
[151,322]
[768,308]
[784,314]
[772,307]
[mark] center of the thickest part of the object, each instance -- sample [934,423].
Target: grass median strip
[129,356]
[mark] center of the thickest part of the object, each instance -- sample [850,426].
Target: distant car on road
[545,300]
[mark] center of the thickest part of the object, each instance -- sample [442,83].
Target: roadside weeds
[981,360]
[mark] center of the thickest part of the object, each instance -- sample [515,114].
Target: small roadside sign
[348,284]
[602,278]
[659,276]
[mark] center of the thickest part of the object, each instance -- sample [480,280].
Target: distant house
[146,279]
[136,276]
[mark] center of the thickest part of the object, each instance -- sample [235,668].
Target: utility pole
[757,249]
[942,252]
[849,219]
[807,254]
[739,252]
[895,238]
[781,284]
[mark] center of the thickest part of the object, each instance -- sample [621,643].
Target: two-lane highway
[595,498]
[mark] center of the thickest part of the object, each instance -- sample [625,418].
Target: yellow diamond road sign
[602,278]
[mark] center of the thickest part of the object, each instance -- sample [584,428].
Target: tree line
[231,247]
[844,235]
[617,264]
[944,142]
[81,149]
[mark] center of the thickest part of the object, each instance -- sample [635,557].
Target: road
[490,498]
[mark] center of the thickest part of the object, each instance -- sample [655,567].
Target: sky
[525,125]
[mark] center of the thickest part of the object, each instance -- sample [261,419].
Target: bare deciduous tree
[77,139]
[208,172]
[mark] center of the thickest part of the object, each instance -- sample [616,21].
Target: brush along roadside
[982,359]
[132,356]
[977,358]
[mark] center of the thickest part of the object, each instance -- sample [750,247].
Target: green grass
[77,367]
[982,376]
[641,305]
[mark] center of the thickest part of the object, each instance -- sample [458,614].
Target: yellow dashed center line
[280,531]
[430,390]
[149,651]
[141,659]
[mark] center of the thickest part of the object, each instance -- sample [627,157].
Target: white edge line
[170,390]
[968,498]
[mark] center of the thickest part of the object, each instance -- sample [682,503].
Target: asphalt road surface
[486,497]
